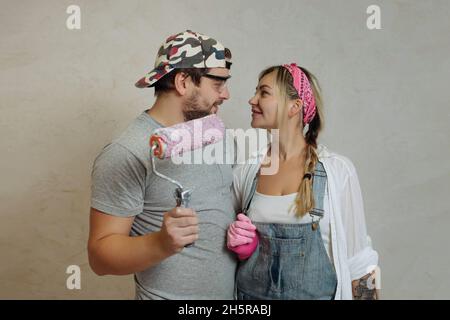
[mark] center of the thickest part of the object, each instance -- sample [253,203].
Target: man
[134,227]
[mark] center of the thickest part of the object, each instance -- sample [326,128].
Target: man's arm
[364,288]
[112,251]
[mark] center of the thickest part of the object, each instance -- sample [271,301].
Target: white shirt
[353,256]
[281,209]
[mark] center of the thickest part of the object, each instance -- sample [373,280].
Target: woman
[303,232]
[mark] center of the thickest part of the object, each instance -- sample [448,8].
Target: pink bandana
[304,91]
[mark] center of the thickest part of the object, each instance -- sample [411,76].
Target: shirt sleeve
[362,259]
[118,182]
[236,191]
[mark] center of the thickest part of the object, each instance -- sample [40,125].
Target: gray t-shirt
[124,185]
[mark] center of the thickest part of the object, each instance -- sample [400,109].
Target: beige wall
[65,94]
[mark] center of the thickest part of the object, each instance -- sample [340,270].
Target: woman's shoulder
[335,161]
[339,164]
[248,168]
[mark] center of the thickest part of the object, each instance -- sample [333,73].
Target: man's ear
[180,83]
[295,108]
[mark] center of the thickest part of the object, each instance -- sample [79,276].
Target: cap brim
[150,79]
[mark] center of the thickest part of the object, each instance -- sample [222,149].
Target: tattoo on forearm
[361,290]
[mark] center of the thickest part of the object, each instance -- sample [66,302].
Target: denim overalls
[291,261]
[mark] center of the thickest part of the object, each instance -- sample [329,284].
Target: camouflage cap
[187,49]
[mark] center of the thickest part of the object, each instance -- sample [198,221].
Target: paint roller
[187,136]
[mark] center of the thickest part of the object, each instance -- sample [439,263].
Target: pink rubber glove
[242,237]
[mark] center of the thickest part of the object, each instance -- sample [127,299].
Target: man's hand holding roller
[179,228]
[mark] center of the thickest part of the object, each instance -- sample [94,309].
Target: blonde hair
[304,201]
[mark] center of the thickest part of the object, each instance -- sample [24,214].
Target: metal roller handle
[183,197]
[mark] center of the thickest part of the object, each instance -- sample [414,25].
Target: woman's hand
[242,237]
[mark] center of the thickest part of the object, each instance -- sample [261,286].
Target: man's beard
[193,110]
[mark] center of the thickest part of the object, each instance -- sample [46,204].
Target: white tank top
[281,209]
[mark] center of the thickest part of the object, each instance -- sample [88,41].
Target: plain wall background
[66,93]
